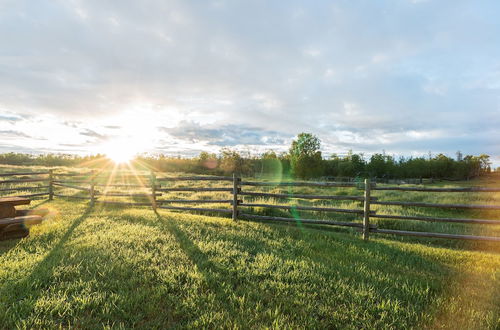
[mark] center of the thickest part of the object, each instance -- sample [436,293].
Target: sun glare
[120,151]
[120,156]
[134,132]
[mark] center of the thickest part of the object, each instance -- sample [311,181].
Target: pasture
[115,266]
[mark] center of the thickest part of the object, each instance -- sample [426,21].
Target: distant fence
[379,180]
[39,183]
[96,190]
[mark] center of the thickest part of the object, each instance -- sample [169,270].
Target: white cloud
[338,70]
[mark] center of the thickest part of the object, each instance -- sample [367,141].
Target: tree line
[304,160]
[51,159]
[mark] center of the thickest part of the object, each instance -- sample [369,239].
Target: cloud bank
[185,76]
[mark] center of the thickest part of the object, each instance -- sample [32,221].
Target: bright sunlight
[120,151]
[135,135]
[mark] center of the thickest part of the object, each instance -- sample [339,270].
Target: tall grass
[133,268]
[142,178]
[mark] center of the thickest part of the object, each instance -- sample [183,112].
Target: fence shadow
[213,274]
[42,271]
[7,245]
[38,203]
[375,264]
[267,265]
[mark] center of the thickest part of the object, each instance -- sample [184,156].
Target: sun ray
[93,162]
[139,180]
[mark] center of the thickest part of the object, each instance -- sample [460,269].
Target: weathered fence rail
[15,183]
[196,178]
[301,196]
[238,191]
[23,173]
[468,189]
[25,188]
[195,189]
[303,208]
[442,206]
[299,184]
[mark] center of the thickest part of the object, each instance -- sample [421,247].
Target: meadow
[121,267]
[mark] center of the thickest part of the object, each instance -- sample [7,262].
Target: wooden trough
[15,223]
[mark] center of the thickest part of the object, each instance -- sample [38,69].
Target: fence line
[195,189]
[23,173]
[304,208]
[469,189]
[195,209]
[24,188]
[431,219]
[302,196]
[24,180]
[197,178]
[17,178]
[298,184]
[153,184]
[71,181]
[366,210]
[197,201]
[238,188]
[443,206]
[69,186]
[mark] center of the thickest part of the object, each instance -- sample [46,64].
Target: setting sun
[121,151]
[120,156]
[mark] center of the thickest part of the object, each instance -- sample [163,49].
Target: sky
[179,77]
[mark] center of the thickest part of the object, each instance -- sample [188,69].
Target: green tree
[305,156]
[232,162]
[270,164]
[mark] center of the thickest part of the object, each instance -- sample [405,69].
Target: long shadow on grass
[39,279]
[391,273]
[35,205]
[214,275]
[7,245]
[335,269]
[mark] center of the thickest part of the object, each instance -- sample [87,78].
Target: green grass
[129,267]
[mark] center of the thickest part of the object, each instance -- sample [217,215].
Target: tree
[305,156]
[207,160]
[232,162]
[351,165]
[270,164]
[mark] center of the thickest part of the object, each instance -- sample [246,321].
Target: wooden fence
[39,184]
[95,190]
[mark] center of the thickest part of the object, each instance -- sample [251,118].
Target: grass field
[103,266]
[133,268]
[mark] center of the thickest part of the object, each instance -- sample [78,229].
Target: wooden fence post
[92,188]
[236,181]
[366,211]
[51,185]
[153,190]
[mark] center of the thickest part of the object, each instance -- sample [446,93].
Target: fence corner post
[153,190]
[92,188]
[366,211]
[236,181]
[51,184]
